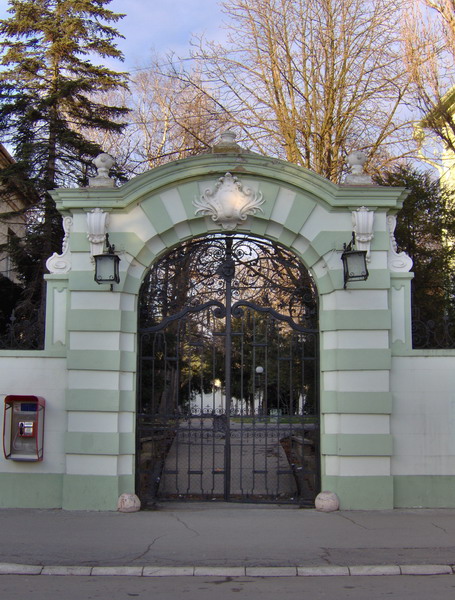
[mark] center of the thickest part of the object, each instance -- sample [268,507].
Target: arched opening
[228,387]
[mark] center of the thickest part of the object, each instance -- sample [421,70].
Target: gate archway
[228,391]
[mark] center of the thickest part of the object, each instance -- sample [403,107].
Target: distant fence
[432,334]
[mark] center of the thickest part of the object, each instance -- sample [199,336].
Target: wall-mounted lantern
[354,263]
[107,265]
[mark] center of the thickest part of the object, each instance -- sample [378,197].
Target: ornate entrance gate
[228,375]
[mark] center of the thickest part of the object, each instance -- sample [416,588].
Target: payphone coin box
[23,428]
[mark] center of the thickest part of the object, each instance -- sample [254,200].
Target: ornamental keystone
[229,203]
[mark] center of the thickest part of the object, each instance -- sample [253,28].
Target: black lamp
[354,263]
[107,265]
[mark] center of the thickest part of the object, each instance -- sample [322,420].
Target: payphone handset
[26,428]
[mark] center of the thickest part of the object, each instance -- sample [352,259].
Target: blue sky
[159,25]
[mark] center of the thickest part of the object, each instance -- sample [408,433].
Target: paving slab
[374,570]
[17,569]
[426,570]
[220,571]
[168,571]
[56,570]
[271,571]
[121,571]
[322,571]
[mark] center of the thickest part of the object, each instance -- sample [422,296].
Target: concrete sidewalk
[198,538]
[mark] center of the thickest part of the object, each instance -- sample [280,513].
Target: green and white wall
[387,412]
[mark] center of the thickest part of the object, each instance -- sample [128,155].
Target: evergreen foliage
[48,106]
[426,232]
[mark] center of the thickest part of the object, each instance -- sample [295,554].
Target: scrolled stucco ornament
[396,261]
[61,263]
[229,203]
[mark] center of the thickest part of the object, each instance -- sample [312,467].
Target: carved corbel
[362,224]
[97,221]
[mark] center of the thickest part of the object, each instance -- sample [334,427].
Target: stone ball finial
[128,503]
[327,502]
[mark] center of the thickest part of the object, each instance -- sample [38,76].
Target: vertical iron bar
[228,368]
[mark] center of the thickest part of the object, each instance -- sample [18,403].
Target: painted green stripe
[157,213]
[301,209]
[309,257]
[94,320]
[93,400]
[127,443]
[170,238]
[94,360]
[357,444]
[286,238]
[129,321]
[131,284]
[424,491]
[81,442]
[198,227]
[84,281]
[378,279]
[128,361]
[146,257]
[326,284]
[356,360]
[328,241]
[31,490]
[101,360]
[90,492]
[259,227]
[269,193]
[128,241]
[361,493]
[333,320]
[188,192]
[126,484]
[127,401]
[356,402]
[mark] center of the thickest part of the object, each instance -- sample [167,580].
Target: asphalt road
[438,587]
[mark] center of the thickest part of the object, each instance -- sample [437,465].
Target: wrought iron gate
[228,375]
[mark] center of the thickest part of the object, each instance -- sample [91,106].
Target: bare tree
[168,119]
[429,42]
[309,80]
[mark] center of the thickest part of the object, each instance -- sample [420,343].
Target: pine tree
[48,91]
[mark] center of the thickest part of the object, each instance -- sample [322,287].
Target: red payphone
[23,428]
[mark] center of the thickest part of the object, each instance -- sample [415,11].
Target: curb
[157,571]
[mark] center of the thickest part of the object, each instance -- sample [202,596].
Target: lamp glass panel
[355,266]
[106,268]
